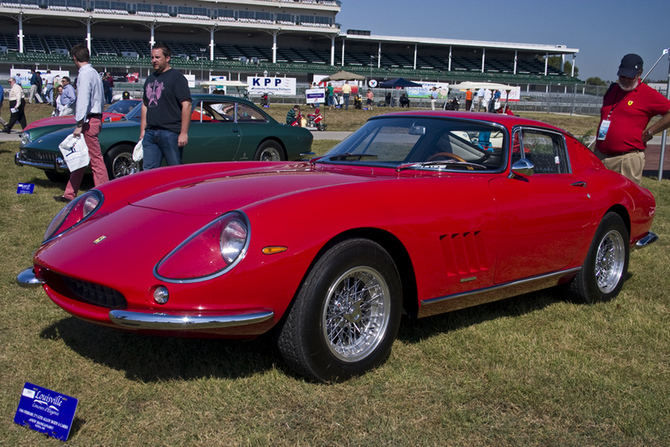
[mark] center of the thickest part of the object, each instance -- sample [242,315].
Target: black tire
[329,336]
[270,150]
[606,265]
[119,162]
[57,177]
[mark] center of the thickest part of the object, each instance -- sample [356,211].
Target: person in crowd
[17,103]
[293,116]
[468,100]
[370,99]
[108,85]
[330,96]
[433,98]
[166,111]
[56,102]
[346,94]
[35,86]
[2,99]
[479,100]
[67,98]
[628,107]
[88,114]
[48,87]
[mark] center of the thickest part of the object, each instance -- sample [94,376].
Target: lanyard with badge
[605,124]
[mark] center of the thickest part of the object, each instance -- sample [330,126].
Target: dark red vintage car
[416,213]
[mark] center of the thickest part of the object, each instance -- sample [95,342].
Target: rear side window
[545,149]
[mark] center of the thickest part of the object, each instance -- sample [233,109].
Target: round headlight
[233,238]
[25,138]
[209,252]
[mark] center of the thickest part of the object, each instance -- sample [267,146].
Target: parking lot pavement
[14,136]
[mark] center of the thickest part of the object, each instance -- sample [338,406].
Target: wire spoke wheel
[356,313]
[610,261]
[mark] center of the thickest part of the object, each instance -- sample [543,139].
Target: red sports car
[415,213]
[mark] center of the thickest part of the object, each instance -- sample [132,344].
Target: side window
[546,150]
[213,111]
[247,114]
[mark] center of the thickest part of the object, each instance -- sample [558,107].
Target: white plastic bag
[138,152]
[75,152]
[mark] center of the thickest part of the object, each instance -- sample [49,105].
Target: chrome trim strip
[163,321]
[475,297]
[646,241]
[28,280]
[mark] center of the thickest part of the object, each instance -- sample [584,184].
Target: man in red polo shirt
[628,106]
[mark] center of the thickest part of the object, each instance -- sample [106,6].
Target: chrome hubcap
[356,314]
[610,261]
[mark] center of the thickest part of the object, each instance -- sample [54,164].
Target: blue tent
[398,82]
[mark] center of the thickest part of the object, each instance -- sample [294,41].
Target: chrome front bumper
[58,165]
[647,240]
[28,279]
[172,322]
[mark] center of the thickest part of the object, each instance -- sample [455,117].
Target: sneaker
[62,199]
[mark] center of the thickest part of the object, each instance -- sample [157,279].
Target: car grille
[39,156]
[95,293]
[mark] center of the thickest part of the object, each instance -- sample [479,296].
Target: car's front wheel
[119,161]
[346,315]
[606,265]
[269,151]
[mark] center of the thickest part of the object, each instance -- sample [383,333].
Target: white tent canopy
[223,84]
[478,85]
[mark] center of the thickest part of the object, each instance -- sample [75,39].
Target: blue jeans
[346,101]
[159,143]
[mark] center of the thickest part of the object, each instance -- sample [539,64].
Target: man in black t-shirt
[166,111]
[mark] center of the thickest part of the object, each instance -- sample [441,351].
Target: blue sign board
[46,411]
[25,188]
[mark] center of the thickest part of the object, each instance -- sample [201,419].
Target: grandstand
[296,38]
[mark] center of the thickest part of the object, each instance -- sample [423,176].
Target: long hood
[47,141]
[239,189]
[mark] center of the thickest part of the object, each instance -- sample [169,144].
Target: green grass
[534,370]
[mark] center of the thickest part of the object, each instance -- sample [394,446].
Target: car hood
[245,187]
[66,120]
[51,140]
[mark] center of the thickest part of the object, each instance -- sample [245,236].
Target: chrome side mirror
[523,167]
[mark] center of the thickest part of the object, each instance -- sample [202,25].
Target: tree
[556,61]
[595,81]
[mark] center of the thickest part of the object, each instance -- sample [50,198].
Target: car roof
[508,121]
[205,96]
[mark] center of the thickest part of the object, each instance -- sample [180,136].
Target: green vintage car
[223,128]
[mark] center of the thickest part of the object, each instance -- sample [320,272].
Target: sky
[603,30]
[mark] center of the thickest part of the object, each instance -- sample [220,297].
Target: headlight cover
[74,213]
[25,137]
[208,253]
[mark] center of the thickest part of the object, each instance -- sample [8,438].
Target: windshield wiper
[348,155]
[442,163]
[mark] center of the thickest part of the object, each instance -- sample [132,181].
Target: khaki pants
[628,164]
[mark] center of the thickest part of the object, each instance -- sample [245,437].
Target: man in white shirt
[88,114]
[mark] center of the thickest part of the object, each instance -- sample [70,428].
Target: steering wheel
[449,155]
[446,155]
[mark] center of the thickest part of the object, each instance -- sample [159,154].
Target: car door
[214,134]
[542,216]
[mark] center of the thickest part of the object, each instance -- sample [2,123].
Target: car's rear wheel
[346,315]
[269,151]
[119,162]
[606,265]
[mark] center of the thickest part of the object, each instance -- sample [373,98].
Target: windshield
[424,143]
[135,114]
[124,106]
